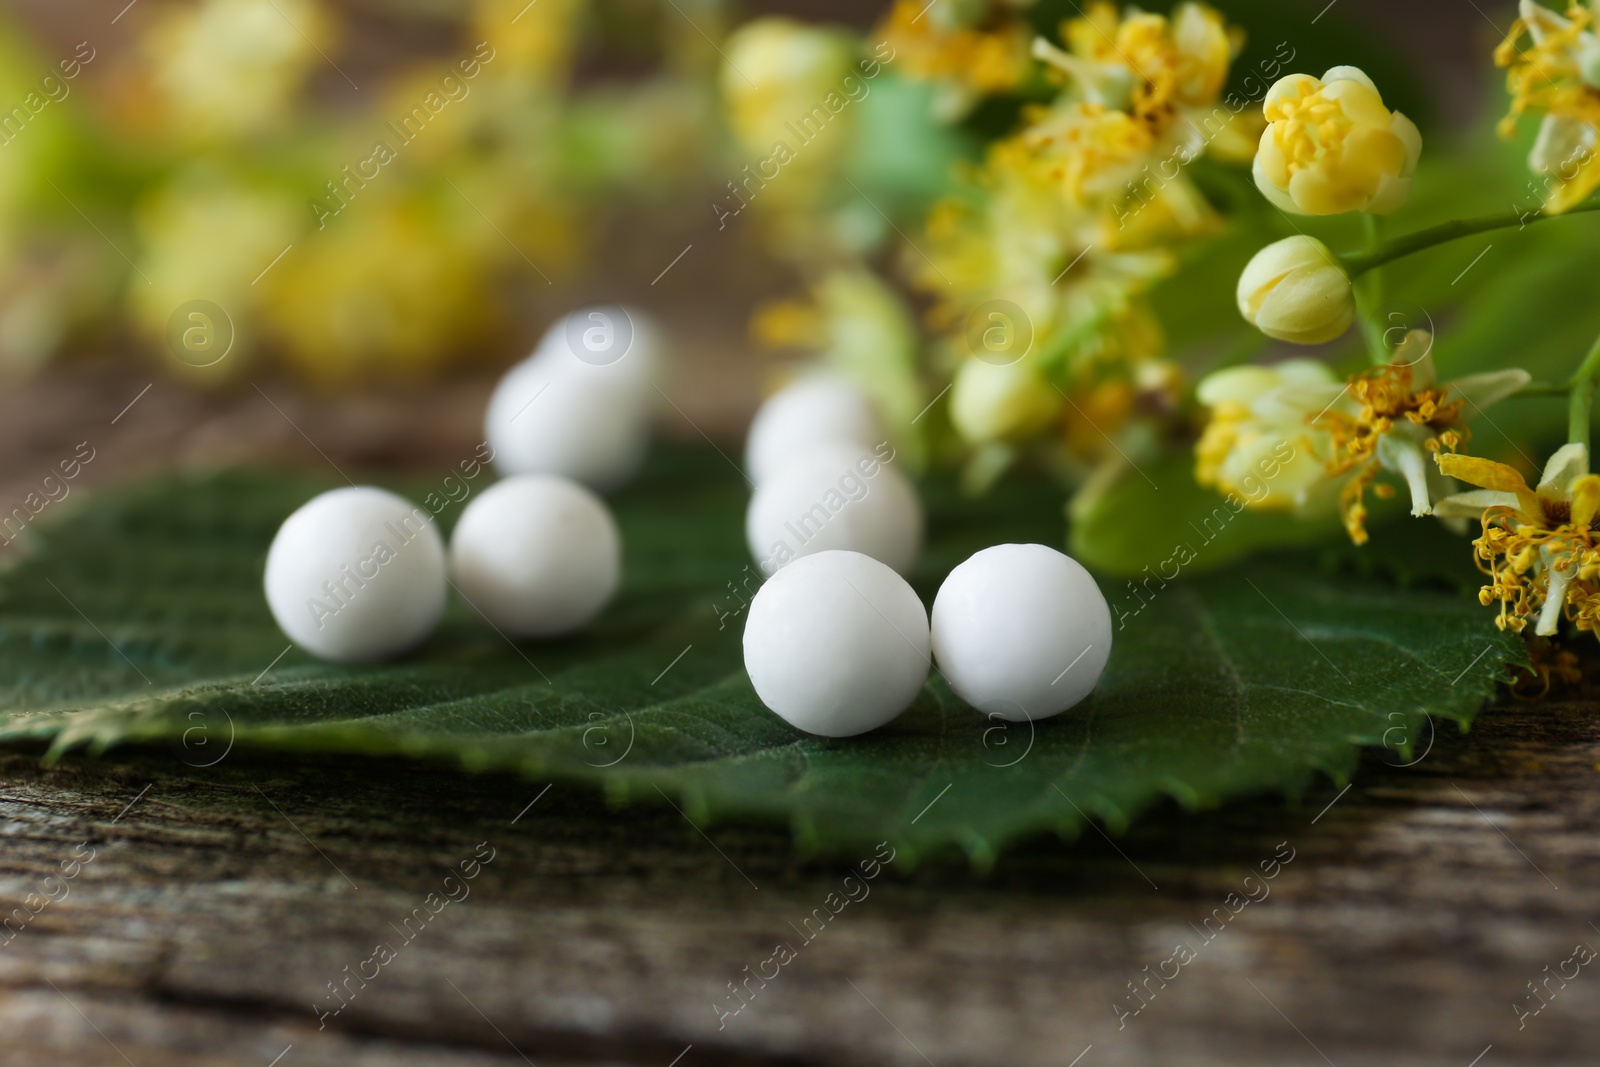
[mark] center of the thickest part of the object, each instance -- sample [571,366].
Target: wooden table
[219,904]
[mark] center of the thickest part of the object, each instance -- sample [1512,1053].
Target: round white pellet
[836,644]
[836,496]
[1021,631]
[620,345]
[580,406]
[818,409]
[536,555]
[356,574]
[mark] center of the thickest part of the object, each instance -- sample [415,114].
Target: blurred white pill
[536,555]
[1021,631]
[836,644]
[580,406]
[620,345]
[356,574]
[836,496]
[818,409]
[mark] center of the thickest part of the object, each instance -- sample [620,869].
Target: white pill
[1021,631]
[836,496]
[818,409]
[357,574]
[536,555]
[580,406]
[620,345]
[836,644]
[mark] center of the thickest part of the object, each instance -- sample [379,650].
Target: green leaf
[1155,518]
[139,617]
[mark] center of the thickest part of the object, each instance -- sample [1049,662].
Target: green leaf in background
[1157,514]
[139,617]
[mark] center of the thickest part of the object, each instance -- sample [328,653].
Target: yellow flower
[1260,443]
[1152,67]
[1538,546]
[1331,146]
[1560,76]
[1139,106]
[1393,417]
[229,68]
[1015,238]
[1296,290]
[970,54]
[207,237]
[779,74]
[390,288]
[533,41]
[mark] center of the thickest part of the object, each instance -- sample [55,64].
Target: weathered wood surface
[218,907]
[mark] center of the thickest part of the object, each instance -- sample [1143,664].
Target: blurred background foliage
[186,163]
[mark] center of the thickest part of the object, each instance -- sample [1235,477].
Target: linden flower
[1538,545]
[1018,240]
[1331,146]
[1150,66]
[968,57]
[537,41]
[779,73]
[1392,417]
[1116,132]
[205,236]
[231,67]
[1295,290]
[1260,443]
[994,402]
[1560,76]
[394,289]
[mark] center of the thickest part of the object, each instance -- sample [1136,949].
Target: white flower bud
[1000,402]
[1295,290]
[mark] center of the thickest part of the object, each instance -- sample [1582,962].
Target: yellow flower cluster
[1540,547]
[1331,146]
[1152,68]
[231,69]
[1261,421]
[368,234]
[1039,264]
[1388,418]
[969,51]
[373,253]
[1065,225]
[1559,75]
[1393,417]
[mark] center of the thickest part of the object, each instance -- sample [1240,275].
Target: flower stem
[1369,298]
[1581,396]
[1358,263]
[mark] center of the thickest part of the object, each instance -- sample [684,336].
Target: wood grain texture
[219,906]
